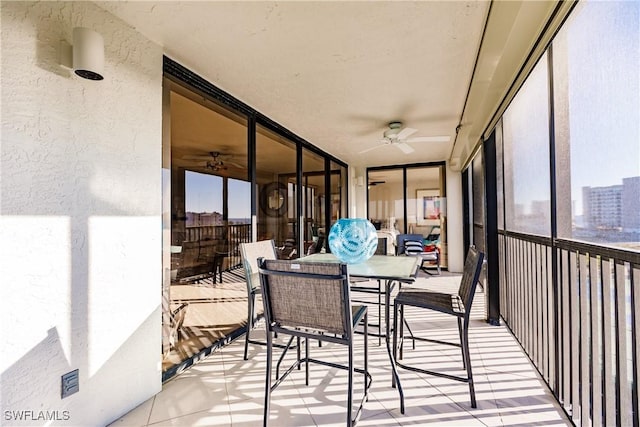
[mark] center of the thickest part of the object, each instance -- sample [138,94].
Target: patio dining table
[390,269]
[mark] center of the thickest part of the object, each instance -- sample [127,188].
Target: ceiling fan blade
[406,148]
[370,149]
[235,165]
[196,157]
[441,138]
[405,133]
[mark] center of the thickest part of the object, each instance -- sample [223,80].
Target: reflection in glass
[427,207]
[210,216]
[526,156]
[276,192]
[314,203]
[386,199]
[596,74]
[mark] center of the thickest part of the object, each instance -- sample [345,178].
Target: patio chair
[317,246]
[311,301]
[176,317]
[250,252]
[413,245]
[458,305]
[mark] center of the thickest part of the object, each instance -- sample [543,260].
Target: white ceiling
[335,73]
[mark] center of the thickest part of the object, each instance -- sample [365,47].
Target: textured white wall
[80,217]
[455,243]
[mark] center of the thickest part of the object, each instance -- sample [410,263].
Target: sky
[600,44]
[204,194]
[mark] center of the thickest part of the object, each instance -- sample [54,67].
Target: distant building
[197,219]
[631,204]
[613,207]
[541,208]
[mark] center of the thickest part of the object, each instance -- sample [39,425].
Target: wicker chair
[250,253]
[311,301]
[458,305]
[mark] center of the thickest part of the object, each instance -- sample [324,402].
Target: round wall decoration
[273,199]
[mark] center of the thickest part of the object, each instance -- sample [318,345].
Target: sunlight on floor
[224,390]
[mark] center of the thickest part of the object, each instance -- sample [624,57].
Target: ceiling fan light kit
[215,160]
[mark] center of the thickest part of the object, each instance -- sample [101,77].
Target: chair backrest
[434,235]
[402,238]
[470,276]
[250,253]
[177,319]
[316,247]
[309,295]
[382,246]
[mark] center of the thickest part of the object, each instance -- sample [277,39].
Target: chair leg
[249,325]
[403,321]
[350,391]
[395,378]
[462,347]
[465,344]
[366,354]
[306,361]
[379,312]
[267,387]
[396,308]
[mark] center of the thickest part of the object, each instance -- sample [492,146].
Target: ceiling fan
[215,160]
[374,183]
[400,137]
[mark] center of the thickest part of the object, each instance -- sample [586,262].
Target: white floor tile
[226,390]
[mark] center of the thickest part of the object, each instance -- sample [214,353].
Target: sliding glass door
[210,214]
[276,191]
[409,199]
[230,175]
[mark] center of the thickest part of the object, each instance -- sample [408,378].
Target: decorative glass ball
[353,240]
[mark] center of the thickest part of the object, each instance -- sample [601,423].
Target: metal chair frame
[458,305]
[265,249]
[318,320]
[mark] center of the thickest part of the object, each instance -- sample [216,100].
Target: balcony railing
[202,244]
[574,309]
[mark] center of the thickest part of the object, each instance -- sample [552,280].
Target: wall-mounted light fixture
[86,55]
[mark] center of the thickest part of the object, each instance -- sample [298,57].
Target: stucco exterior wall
[80,218]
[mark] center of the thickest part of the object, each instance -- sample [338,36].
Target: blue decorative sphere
[353,240]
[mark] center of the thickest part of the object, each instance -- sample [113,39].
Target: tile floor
[225,390]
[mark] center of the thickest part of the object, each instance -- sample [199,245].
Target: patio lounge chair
[414,245]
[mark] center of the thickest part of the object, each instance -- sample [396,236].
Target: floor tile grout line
[153,403]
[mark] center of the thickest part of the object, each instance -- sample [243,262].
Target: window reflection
[210,216]
[277,192]
[596,73]
[422,211]
[525,127]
